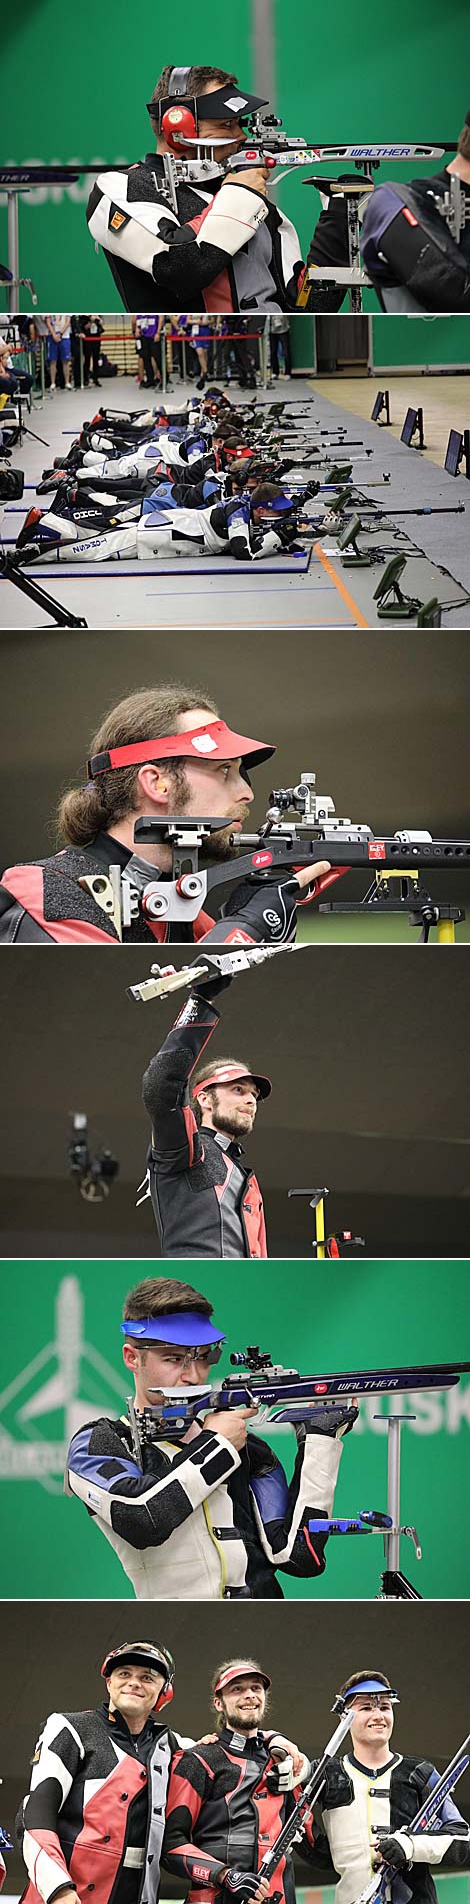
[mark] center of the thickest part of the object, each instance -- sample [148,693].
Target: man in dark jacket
[206,1201]
[229,1800]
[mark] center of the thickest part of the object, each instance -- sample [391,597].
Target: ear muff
[178,82]
[164,1697]
[178,124]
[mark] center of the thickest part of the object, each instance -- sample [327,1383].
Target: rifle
[312,1790]
[268,146]
[164,981]
[425,1818]
[283,1396]
[278,846]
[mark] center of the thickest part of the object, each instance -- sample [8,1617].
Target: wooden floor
[445,402]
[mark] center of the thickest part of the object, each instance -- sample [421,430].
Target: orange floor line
[356,612]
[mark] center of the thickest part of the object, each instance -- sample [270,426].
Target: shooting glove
[209,987]
[397,1851]
[241,1885]
[282,1777]
[265,913]
[336,1422]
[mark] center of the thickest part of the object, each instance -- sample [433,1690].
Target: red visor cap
[214,741]
[229,1074]
[243,1671]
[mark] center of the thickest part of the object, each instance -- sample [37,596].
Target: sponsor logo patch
[117,220]
[204,744]
[188,1013]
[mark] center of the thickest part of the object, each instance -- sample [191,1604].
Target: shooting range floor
[444,400]
[323,594]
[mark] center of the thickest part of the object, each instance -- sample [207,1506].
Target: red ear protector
[178,125]
[164,1697]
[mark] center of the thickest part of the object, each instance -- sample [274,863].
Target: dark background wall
[369,1057]
[51,1657]
[383,720]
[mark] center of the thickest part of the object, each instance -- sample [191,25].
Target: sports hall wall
[394,342]
[377,73]
[67,1364]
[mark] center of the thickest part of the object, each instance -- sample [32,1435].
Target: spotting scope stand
[10,571]
[16,179]
[423,911]
[394,1583]
[14,284]
[323,1245]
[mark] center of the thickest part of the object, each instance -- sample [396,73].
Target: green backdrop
[61,1358]
[75,88]
[397,341]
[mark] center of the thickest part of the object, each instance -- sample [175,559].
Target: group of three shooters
[208,1812]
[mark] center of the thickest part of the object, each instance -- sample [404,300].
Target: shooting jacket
[165,446]
[199,1521]
[205,1201]
[356,1799]
[221,1812]
[94,1816]
[43,899]
[225,249]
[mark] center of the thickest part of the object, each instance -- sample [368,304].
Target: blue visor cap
[370,1685]
[281,506]
[185,1330]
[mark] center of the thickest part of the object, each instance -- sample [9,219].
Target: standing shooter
[197,1507]
[79,1829]
[220,246]
[371,1797]
[228,1801]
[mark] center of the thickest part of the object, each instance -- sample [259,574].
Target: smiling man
[200,1509]
[228,1801]
[371,1796]
[215,244]
[78,1829]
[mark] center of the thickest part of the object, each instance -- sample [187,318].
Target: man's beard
[229,1125]
[223,845]
[247,1722]
[219,845]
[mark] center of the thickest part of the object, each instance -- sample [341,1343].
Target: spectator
[147,329]
[11,379]
[280,337]
[91,329]
[59,349]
